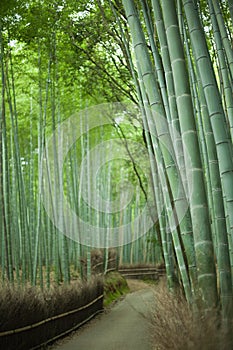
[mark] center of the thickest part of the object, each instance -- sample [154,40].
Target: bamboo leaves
[184,90]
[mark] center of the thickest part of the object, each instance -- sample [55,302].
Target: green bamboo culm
[215,109]
[5,235]
[223,33]
[156,106]
[226,76]
[230,4]
[173,120]
[214,136]
[198,201]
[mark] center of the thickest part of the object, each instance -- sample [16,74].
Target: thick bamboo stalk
[198,200]
[230,4]
[214,105]
[224,69]
[225,39]
[169,230]
[162,129]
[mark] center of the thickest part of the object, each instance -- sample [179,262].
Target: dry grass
[175,326]
[97,261]
[20,307]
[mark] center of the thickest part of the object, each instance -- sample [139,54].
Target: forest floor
[125,325]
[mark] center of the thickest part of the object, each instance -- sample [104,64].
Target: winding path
[125,326]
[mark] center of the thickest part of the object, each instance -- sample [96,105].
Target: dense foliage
[174,60]
[57,58]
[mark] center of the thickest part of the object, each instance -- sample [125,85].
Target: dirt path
[135,285]
[124,327]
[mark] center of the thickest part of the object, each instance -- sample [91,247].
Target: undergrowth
[20,307]
[174,326]
[115,285]
[25,306]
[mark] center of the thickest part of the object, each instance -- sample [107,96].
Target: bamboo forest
[116,132]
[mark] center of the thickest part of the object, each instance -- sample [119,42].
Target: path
[124,327]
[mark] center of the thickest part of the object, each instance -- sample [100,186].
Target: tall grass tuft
[21,307]
[175,326]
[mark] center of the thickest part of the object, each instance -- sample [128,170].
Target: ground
[125,325]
